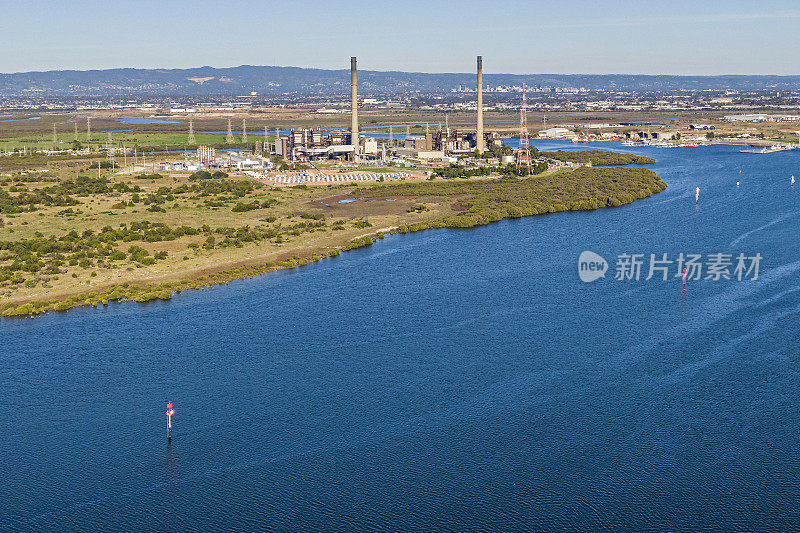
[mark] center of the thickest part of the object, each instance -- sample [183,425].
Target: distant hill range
[307,81]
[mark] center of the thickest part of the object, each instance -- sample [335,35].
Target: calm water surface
[19,119]
[446,380]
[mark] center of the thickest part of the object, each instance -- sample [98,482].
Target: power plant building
[310,144]
[440,143]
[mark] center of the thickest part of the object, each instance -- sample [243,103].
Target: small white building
[370,145]
[754,117]
[557,133]
[248,164]
[422,155]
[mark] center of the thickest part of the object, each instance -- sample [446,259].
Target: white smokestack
[354,108]
[481,146]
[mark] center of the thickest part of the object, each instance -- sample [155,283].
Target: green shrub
[241,207]
[358,243]
[598,157]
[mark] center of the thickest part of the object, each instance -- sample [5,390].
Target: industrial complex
[299,153]
[443,145]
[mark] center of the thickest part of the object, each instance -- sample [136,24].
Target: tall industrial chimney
[354,108]
[480,140]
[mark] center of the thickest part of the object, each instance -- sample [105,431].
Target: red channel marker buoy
[171,411]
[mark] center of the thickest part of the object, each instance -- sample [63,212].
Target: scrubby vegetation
[60,194]
[459,171]
[142,293]
[206,175]
[19,198]
[33,260]
[581,189]
[202,223]
[598,157]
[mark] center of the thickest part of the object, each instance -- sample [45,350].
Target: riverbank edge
[142,293]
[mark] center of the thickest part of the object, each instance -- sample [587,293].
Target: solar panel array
[332,178]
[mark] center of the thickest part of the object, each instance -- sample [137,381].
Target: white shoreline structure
[769,149]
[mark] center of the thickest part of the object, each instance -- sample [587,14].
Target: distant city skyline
[618,37]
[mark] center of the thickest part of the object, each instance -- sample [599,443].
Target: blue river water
[19,119]
[453,380]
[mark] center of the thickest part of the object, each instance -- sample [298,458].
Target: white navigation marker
[697,195]
[793,180]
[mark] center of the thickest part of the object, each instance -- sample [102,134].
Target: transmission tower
[229,138]
[76,130]
[524,153]
[191,134]
[88,129]
[446,137]
[244,130]
[55,136]
[391,141]
[408,131]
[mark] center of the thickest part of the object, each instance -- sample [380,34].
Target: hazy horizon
[362,69]
[574,37]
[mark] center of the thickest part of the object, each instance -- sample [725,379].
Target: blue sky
[600,36]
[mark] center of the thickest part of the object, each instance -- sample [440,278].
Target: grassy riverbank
[67,243]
